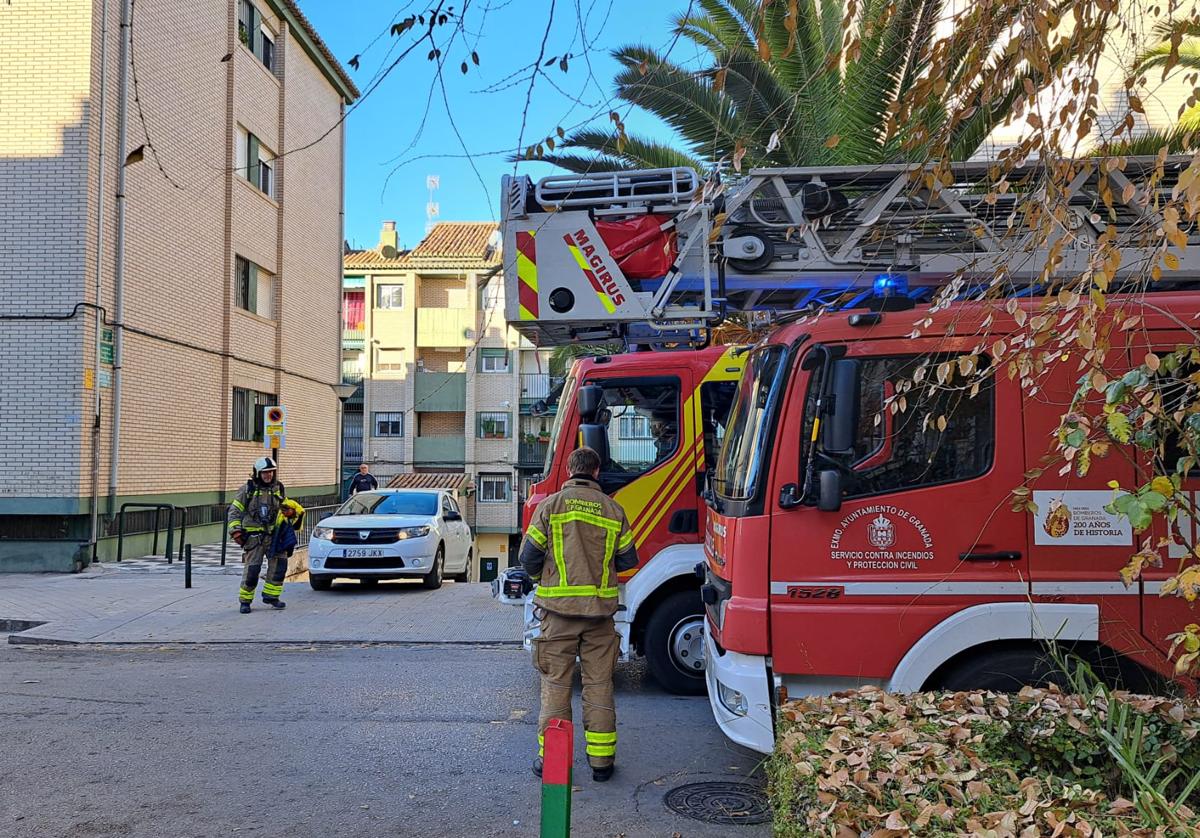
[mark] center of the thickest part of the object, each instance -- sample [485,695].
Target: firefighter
[576,544]
[255,516]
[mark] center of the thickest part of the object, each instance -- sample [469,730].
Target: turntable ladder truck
[657,257]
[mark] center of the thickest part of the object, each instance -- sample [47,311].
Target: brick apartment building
[230,266]
[443,388]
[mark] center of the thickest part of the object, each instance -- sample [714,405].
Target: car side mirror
[829,495]
[841,426]
[452,516]
[595,437]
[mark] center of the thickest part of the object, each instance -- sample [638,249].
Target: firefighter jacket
[576,544]
[257,509]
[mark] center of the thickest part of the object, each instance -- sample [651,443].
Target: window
[493,360]
[494,426]
[741,464]
[391,503]
[491,296]
[449,505]
[634,427]
[253,162]
[254,35]
[905,450]
[248,413]
[389,424]
[254,287]
[494,488]
[389,296]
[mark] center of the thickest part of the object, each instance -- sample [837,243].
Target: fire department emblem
[881,533]
[1058,520]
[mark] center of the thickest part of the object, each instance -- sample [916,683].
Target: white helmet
[263,464]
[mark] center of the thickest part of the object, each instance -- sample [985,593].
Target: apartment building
[441,392]
[142,337]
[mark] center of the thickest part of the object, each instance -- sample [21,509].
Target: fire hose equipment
[517,583]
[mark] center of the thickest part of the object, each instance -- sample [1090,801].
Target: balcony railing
[440,450]
[351,372]
[445,327]
[440,391]
[537,385]
[532,454]
[353,338]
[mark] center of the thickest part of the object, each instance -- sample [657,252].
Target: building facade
[142,337]
[441,375]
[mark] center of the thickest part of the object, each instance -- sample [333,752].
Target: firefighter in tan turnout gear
[577,542]
[261,512]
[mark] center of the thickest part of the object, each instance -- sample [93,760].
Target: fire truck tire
[465,576]
[1003,670]
[433,579]
[674,643]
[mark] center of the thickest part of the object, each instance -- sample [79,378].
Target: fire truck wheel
[1003,670]
[674,643]
[433,579]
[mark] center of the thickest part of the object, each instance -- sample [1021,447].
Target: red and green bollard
[558,754]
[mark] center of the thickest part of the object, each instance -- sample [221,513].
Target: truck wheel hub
[687,644]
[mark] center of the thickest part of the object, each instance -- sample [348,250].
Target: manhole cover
[724,803]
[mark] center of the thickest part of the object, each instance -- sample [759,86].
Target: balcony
[352,372]
[445,327]
[537,385]
[353,338]
[439,450]
[440,391]
[532,454]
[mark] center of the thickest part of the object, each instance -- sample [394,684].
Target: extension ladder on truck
[613,255]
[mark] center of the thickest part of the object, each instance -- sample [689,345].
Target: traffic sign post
[274,429]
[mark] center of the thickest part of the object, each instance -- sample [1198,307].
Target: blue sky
[389,152]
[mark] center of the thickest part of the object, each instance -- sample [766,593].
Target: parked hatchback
[392,534]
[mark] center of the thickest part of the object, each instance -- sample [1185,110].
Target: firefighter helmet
[263,464]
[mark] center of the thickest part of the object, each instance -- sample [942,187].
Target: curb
[34,640]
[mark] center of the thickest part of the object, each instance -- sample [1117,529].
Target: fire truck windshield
[564,404]
[741,465]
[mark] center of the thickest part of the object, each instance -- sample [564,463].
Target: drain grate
[732,804]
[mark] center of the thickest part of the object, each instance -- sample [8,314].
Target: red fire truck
[845,551]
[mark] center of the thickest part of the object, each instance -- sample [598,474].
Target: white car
[392,534]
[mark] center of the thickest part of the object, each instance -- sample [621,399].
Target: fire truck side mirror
[841,425]
[589,401]
[595,437]
[829,497]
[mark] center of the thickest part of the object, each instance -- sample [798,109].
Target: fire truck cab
[657,420]
[851,543]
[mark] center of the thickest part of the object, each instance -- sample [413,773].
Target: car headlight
[413,532]
[323,533]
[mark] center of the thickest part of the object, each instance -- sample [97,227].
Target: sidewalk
[122,606]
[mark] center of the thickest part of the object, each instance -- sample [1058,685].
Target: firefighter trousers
[596,642]
[252,557]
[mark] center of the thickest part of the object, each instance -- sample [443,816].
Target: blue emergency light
[890,285]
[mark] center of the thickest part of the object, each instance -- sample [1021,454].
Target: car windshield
[742,460]
[391,503]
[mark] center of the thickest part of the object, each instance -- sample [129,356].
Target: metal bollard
[557,755]
[187,565]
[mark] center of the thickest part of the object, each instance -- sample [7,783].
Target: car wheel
[465,576]
[433,579]
[320,583]
[368,581]
[674,644]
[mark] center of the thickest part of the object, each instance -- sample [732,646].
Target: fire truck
[894,562]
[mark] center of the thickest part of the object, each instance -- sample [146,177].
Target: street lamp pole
[343,392]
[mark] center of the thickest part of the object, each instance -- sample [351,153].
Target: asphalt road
[324,741]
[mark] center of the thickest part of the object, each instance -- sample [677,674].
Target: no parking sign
[274,427]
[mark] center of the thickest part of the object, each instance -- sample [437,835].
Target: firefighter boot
[537,766]
[603,775]
[245,608]
[274,602]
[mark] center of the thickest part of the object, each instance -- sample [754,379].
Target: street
[343,740]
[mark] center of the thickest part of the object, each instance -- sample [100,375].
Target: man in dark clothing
[364,481]
[576,544]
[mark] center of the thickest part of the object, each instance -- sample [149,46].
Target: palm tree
[778,89]
[1176,49]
